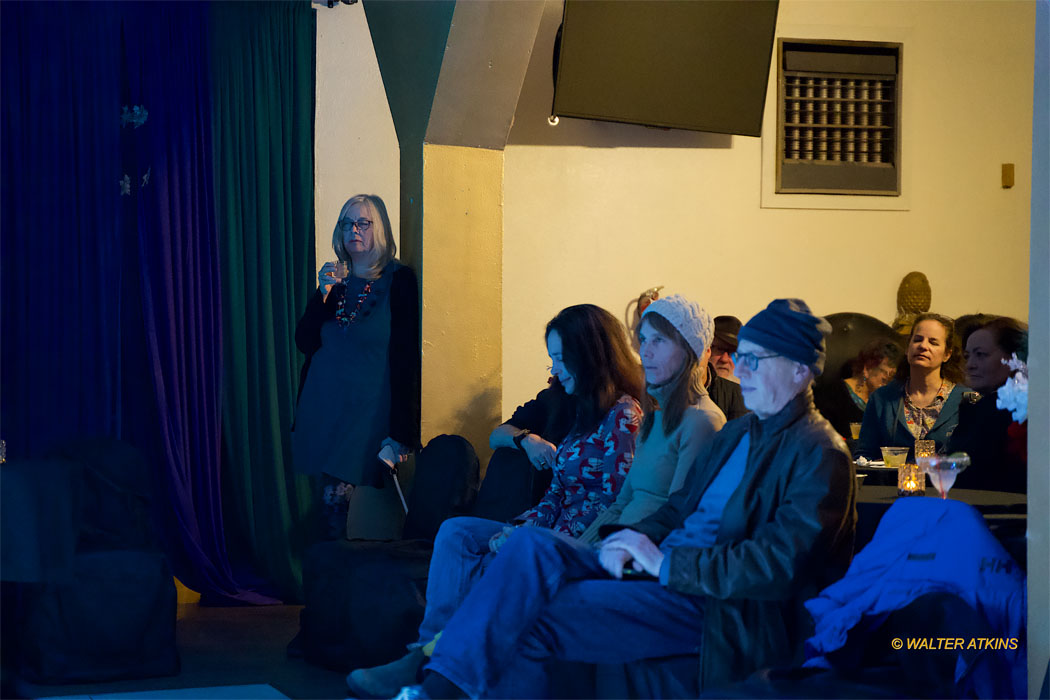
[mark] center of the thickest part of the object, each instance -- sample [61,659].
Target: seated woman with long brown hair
[922,403]
[680,418]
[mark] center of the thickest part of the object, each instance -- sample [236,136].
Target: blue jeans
[546,596]
[461,554]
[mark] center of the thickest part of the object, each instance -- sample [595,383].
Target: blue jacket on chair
[929,545]
[884,423]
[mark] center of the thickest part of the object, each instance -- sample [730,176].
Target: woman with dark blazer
[922,403]
[997,445]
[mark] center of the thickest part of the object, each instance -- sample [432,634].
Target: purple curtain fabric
[167,157]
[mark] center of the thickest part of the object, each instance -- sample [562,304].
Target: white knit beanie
[689,318]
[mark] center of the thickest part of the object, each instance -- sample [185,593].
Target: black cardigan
[404,349]
[997,463]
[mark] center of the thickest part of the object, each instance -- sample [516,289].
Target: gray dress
[344,410]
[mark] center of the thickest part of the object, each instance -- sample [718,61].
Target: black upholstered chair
[101,604]
[849,333]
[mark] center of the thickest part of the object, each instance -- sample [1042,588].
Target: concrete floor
[225,647]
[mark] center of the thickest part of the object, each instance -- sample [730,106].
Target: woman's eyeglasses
[750,360]
[346,225]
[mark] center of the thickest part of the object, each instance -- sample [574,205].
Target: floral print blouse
[588,472]
[920,420]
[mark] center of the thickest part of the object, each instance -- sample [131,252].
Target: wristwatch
[521,436]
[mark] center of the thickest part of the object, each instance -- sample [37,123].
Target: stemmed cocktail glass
[943,469]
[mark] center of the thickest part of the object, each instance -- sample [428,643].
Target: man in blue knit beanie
[765,520]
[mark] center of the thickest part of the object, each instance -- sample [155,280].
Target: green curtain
[263,91]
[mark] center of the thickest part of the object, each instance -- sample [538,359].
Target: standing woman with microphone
[359,388]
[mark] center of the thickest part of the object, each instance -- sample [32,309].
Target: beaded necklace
[341,316]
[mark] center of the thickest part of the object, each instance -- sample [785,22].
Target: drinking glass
[925,448]
[854,430]
[943,470]
[894,457]
[340,271]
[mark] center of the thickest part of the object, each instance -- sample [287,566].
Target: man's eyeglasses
[346,225]
[750,360]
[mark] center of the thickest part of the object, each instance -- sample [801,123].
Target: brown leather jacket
[786,533]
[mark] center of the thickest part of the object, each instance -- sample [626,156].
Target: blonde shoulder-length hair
[383,247]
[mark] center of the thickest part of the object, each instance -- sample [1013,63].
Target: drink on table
[894,457]
[943,470]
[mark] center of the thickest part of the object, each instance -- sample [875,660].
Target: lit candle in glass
[911,481]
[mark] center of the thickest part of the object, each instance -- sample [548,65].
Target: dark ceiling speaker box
[683,64]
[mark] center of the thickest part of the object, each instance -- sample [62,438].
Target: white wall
[356,148]
[602,224]
[1039,368]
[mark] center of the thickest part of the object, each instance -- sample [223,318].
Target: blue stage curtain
[61,257]
[111,304]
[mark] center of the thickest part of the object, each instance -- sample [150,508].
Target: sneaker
[388,680]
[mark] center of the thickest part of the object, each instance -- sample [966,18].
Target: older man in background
[765,521]
[727,329]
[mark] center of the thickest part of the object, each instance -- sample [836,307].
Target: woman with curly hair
[922,403]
